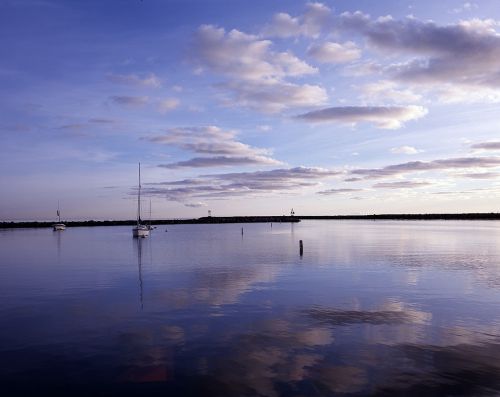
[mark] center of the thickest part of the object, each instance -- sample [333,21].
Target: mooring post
[242,231]
[301,248]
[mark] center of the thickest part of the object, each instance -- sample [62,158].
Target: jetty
[482,216]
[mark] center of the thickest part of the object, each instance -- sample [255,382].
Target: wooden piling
[301,248]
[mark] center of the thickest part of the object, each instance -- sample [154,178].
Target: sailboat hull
[140,232]
[59,226]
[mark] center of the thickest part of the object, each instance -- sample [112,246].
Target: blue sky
[242,108]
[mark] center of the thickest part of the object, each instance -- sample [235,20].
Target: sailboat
[150,226]
[59,225]
[140,230]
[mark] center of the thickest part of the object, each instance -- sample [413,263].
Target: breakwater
[260,219]
[202,220]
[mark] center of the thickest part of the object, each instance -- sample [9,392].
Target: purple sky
[242,107]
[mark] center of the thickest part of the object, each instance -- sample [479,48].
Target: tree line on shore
[259,219]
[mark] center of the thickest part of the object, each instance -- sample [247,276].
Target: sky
[248,108]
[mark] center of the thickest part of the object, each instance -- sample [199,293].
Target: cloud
[102,121]
[225,186]
[401,185]
[316,18]
[481,175]
[245,56]
[221,161]
[330,52]
[466,53]
[150,80]
[449,93]
[339,191]
[278,176]
[386,117]
[212,140]
[435,165]
[494,145]
[405,150]
[132,101]
[386,90]
[272,97]
[89,125]
[74,126]
[255,74]
[195,205]
[465,7]
[166,105]
[283,25]
[209,140]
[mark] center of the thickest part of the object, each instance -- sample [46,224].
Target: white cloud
[388,91]
[486,146]
[480,175]
[149,80]
[464,8]
[198,204]
[247,184]
[283,25]
[166,105]
[222,161]
[461,163]
[463,54]
[273,97]
[339,191]
[386,117]
[405,150]
[214,141]
[331,52]
[401,185]
[316,18]
[243,56]
[256,76]
[450,94]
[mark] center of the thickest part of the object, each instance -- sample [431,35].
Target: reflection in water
[374,308]
[138,243]
[58,239]
[345,317]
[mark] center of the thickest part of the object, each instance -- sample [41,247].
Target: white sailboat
[150,226]
[59,225]
[140,230]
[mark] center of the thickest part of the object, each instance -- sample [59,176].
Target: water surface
[371,308]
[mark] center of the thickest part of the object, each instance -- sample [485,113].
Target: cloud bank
[418,166]
[255,75]
[211,140]
[242,184]
[385,117]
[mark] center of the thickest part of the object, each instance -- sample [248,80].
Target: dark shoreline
[261,219]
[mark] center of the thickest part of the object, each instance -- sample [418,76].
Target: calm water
[371,308]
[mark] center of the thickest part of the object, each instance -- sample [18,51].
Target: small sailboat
[59,225]
[150,226]
[140,230]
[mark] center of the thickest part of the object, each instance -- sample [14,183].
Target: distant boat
[150,227]
[59,225]
[140,230]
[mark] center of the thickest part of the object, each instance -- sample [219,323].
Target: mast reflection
[139,243]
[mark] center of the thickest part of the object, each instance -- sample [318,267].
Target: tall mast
[139,198]
[58,212]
